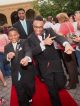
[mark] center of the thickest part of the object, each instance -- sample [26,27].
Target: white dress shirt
[48,25]
[41,43]
[14,46]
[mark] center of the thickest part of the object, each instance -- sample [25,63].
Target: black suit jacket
[21,30]
[48,60]
[16,67]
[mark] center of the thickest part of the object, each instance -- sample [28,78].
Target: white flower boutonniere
[20,48]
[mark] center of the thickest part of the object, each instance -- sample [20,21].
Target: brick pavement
[5,92]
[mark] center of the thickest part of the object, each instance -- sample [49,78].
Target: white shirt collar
[40,37]
[23,20]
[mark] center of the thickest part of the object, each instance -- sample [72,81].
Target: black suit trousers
[25,90]
[55,81]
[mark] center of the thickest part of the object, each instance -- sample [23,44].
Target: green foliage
[35,6]
[46,9]
[53,7]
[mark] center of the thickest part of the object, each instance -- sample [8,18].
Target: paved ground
[5,92]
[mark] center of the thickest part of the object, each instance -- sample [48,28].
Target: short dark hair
[49,18]
[20,9]
[12,29]
[38,18]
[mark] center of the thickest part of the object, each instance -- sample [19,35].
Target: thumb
[49,36]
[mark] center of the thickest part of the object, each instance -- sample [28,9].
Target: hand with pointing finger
[68,49]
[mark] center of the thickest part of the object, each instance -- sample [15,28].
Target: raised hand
[48,40]
[68,49]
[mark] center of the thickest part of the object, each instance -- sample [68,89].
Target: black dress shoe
[73,86]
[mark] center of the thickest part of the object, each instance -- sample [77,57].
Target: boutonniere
[20,48]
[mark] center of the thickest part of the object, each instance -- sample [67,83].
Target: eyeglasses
[40,27]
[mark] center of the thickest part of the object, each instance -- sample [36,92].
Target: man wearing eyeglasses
[49,63]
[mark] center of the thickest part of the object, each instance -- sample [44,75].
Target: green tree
[53,7]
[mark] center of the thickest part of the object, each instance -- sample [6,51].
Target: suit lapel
[11,48]
[21,27]
[19,46]
[44,35]
[28,26]
[36,39]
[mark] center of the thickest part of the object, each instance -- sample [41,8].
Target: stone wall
[7,10]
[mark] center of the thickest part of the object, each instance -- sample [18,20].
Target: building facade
[8,13]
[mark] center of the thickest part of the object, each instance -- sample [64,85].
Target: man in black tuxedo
[24,26]
[18,53]
[41,43]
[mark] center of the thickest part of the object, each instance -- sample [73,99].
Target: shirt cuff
[28,58]
[42,46]
[64,44]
